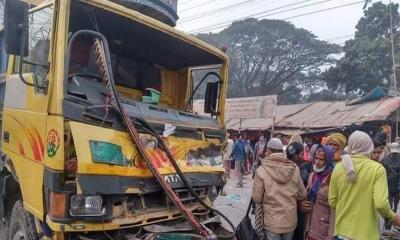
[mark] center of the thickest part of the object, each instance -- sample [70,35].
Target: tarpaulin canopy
[338,114]
[321,115]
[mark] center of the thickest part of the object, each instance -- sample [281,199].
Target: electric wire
[196,6]
[214,11]
[225,24]
[324,10]
[252,3]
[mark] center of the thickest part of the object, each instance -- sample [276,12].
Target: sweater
[357,205]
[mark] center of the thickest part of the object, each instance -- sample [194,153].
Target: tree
[367,61]
[271,57]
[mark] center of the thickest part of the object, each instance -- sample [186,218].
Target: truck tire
[22,225]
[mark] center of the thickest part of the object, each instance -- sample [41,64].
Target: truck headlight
[87,205]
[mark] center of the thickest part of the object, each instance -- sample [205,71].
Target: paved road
[236,201]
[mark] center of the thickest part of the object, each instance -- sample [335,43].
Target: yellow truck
[99,139]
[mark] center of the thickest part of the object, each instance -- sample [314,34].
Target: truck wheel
[22,225]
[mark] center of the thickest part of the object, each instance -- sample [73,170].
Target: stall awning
[321,115]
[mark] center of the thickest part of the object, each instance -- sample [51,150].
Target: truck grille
[143,207]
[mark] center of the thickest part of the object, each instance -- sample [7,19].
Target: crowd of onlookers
[338,188]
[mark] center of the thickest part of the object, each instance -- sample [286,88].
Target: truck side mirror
[210,101]
[16,24]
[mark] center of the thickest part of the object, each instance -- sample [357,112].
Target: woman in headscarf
[338,142]
[358,206]
[320,223]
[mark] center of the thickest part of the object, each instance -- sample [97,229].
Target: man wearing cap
[278,186]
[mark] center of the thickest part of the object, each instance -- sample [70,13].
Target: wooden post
[240,125]
[393,66]
[273,127]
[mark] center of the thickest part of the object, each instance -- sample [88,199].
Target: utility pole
[393,63]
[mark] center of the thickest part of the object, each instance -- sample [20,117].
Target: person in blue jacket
[239,156]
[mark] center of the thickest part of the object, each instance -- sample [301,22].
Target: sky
[336,25]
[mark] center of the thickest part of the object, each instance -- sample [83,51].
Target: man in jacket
[239,156]
[278,186]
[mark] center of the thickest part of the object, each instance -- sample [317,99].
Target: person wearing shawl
[338,142]
[358,205]
[320,220]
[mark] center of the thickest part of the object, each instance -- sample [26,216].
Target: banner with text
[247,107]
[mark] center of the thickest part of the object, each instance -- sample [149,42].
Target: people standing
[392,165]
[320,220]
[357,204]
[295,153]
[338,142]
[307,149]
[249,155]
[379,146]
[227,156]
[239,156]
[278,187]
[258,152]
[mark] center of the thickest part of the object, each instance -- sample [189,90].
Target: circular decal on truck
[53,142]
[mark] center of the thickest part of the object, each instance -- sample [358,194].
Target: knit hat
[275,143]
[338,138]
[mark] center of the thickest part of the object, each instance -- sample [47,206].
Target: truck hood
[104,151]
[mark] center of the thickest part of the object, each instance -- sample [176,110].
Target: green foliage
[272,57]
[367,61]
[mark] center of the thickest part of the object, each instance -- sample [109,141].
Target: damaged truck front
[99,136]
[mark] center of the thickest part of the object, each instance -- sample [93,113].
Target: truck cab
[69,168]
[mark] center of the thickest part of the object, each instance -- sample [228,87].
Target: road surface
[234,204]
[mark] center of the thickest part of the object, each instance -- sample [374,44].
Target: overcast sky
[334,25]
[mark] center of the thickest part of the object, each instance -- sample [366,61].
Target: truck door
[25,110]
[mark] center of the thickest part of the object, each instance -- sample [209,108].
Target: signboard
[248,107]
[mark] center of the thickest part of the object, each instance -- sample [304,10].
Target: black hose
[198,85]
[21,59]
[161,142]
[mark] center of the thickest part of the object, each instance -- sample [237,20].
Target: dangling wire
[92,18]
